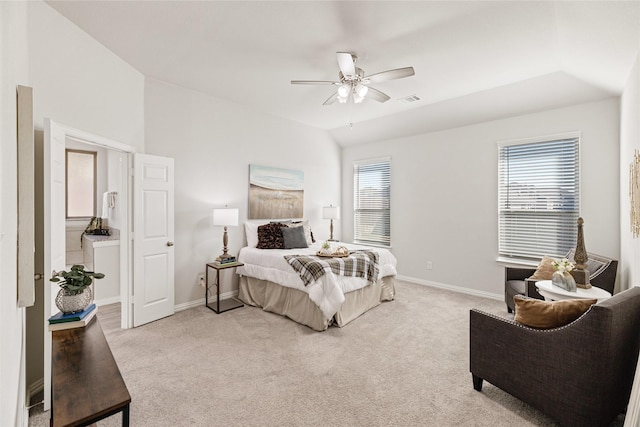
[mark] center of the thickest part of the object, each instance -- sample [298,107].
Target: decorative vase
[73,301]
[564,280]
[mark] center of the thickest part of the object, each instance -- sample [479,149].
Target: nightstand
[226,304]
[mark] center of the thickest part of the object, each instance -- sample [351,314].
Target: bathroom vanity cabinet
[102,255]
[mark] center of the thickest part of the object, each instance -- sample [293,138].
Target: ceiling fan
[353,84]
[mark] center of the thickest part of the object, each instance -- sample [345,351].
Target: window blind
[372,201]
[538,198]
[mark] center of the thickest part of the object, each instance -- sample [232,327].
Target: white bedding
[327,292]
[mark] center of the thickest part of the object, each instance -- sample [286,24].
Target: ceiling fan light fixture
[343,91]
[362,90]
[357,98]
[342,99]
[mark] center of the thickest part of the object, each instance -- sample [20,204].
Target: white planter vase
[73,301]
[564,280]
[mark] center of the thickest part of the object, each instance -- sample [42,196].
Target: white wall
[13,71]
[444,192]
[213,143]
[629,143]
[78,82]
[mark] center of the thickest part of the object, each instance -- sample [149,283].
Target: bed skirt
[296,305]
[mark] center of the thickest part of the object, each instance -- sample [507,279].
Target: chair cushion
[545,269]
[549,314]
[515,287]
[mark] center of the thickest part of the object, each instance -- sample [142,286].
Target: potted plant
[562,276]
[75,293]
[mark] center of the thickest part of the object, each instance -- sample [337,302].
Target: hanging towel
[112,199]
[105,205]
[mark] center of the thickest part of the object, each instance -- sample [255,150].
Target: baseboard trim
[459,289]
[107,301]
[34,389]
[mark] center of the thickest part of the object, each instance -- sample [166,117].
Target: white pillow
[251,230]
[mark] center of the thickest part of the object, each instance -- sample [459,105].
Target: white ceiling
[474,61]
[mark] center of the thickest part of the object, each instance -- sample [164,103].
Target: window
[372,201]
[538,197]
[81,183]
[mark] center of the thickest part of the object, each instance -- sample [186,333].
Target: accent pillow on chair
[545,269]
[549,314]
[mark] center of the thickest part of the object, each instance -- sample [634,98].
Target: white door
[153,265]
[54,231]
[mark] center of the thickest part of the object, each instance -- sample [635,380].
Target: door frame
[126,247]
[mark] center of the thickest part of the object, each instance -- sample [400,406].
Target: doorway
[51,238]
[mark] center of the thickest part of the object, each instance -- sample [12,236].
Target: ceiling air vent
[409,99]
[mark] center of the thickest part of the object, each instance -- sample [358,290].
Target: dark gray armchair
[602,274]
[579,374]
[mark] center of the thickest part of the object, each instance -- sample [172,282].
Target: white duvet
[327,292]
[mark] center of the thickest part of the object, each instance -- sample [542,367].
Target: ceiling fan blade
[331,99]
[398,73]
[377,95]
[345,62]
[313,82]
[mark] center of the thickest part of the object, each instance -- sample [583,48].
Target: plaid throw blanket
[357,264]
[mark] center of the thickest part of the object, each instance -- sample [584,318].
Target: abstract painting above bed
[275,192]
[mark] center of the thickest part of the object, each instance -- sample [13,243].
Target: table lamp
[225,217]
[331,212]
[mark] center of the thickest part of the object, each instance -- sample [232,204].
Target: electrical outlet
[429,265]
[201,280]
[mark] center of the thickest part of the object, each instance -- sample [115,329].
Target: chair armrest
[531,289]
[606,279]
[512,273]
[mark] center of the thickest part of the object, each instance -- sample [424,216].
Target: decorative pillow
[270,236]
[545,269]
[251,230]
[549,314]
[307,230]
[294,237]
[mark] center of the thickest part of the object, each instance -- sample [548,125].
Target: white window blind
[372,201]
[538,197]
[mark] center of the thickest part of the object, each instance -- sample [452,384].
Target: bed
[268,280]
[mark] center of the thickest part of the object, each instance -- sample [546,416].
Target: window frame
[94,154]
[568,226]
[358,237]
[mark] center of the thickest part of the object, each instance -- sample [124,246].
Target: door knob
[169,243]
[38,276]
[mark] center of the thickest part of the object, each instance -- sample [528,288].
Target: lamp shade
[331,212]
[225,216]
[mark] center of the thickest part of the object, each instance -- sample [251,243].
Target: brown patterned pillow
[270,236]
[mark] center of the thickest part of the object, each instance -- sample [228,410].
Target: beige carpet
[404,363]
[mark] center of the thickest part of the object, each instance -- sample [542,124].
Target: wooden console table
[86,383]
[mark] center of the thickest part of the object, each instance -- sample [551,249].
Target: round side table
[551,292]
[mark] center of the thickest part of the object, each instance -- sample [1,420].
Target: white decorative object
[562,277]
[73,301]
